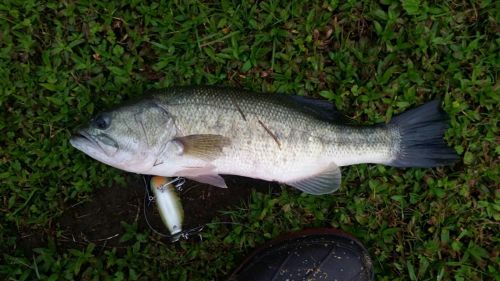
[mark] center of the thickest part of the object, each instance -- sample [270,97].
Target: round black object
[102,121]
[315,254]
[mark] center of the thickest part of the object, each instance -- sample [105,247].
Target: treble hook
[180,183]
[186,234]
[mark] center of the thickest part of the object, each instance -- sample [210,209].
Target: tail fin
[421,144]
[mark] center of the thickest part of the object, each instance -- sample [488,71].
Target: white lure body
[168,203]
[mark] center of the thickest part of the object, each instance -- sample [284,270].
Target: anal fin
[325,182]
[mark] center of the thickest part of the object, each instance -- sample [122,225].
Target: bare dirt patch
[99,220]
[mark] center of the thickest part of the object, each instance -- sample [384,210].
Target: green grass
[63,61]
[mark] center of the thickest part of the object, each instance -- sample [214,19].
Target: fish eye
[102,121]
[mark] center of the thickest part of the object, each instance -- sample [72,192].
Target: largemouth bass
[202,132]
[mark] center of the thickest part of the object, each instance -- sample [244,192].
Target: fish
[169,204]
[203,132]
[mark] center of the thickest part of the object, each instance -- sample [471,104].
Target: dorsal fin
[321,109]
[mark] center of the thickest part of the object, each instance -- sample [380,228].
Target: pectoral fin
[214,180]
[325,182]
[207,147]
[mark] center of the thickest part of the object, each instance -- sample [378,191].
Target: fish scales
[201,132]
[299,139]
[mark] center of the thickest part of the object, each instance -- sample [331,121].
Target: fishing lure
[168,203]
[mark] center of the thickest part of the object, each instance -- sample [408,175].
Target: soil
[99,219]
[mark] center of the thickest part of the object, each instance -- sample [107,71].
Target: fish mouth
[94,145]
[82,141]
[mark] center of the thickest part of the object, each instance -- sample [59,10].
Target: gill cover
[154,122]
[129,138]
